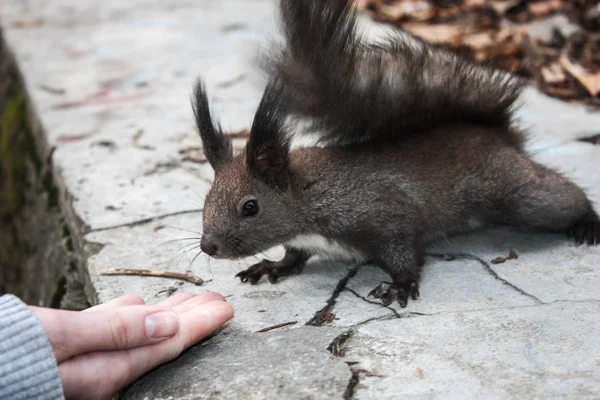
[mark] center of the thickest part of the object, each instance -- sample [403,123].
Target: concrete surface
[110,82]
[253,366]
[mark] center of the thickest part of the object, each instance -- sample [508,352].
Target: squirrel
[415,143]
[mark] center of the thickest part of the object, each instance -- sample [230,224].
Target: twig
[52,90]
[197,160]
[196,280]
[277,326]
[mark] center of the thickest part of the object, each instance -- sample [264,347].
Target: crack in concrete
[377,303]
[352,384]
[337,348]
[486,266]
[144,221]
[382,318]
[319,318]
[433,314]
[339,344]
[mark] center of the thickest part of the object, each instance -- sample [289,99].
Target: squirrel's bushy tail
[356,91]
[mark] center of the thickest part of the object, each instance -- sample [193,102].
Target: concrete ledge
[109,84]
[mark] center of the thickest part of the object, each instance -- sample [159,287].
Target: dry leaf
[474,3]
[590,81]
[495,32]
[501,7]
[478,41]
[553,73]
[543,8]
[416,11]
[439,33]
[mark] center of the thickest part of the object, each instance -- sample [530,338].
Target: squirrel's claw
[585,231]
[389,292]
[256,271]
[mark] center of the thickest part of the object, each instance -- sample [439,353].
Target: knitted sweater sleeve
[27,365]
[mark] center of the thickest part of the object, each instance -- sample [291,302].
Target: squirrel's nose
[208,245]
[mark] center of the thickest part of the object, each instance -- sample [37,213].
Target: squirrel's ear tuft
[267,151]
[217,148]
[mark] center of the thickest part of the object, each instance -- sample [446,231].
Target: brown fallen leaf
[591,81]
[407,10]
[494,32]
[474,3]
[511,256]
[553,73]
[501,7]
[478,40]
[540,9]
[439,33]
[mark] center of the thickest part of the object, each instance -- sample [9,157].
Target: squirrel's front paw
[389,292]
[585,231]
[256,271]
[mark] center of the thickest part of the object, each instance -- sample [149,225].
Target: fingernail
[162,325]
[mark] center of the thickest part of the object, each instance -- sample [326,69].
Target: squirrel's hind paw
[585,231]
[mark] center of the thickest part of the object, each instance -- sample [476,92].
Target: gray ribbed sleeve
[27,365]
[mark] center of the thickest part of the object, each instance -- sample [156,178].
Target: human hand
[104,348]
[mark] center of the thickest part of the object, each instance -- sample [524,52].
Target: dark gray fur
[405,163]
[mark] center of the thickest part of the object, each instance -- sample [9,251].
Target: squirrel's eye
[250,208]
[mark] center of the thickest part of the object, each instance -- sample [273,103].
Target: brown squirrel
[417,143]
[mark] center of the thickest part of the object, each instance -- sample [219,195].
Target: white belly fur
[326,248]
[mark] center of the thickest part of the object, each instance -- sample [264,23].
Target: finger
[116,369]
[175,300]
[197,301]
[126,300]
[73,333]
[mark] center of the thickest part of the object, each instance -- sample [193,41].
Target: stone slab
[541,352]
[283,364]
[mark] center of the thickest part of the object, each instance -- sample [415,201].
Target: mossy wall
[35,258]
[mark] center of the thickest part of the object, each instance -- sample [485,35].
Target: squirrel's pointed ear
[267,151]
[217,148]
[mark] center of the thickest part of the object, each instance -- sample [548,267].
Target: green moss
[17,153]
